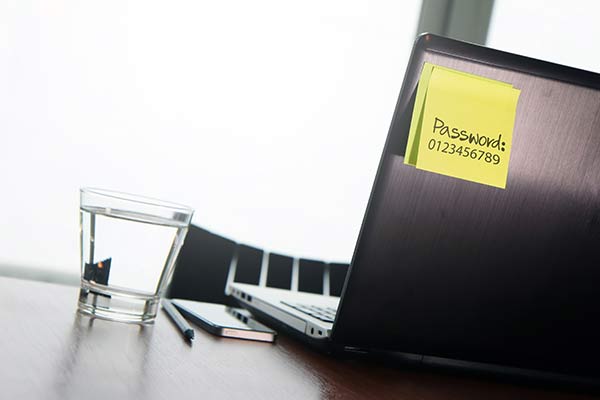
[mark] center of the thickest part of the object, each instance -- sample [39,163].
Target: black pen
[176,316]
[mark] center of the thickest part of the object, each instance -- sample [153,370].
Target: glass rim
[135,198]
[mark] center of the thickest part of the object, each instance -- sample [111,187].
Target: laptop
[455,273]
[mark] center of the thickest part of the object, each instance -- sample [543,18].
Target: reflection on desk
[50,351]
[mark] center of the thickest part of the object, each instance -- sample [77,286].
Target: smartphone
[224,321]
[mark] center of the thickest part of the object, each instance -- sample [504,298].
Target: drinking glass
[129,245]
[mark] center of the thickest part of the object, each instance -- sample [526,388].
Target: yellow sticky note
[412,149]
[462,126]
[416,123]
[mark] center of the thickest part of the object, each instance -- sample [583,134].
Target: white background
[564,32]
[267,117]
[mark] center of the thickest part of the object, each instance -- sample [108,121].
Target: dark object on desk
[248,266]
[178,319]
[310,276]
[337,277]
[202,267]
[207,260]
[453,273]
[98,272]
[224,321]
[280,271]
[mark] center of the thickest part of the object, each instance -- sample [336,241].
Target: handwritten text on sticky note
[462,126]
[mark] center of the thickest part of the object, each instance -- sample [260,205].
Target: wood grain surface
[49,351]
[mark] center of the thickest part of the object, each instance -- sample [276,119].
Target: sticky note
[462,126]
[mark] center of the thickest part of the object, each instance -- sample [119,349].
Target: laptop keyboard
[325,314]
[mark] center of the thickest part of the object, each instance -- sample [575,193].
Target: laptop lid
[449,268]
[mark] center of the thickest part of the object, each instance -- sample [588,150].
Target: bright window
[565,32]
[267,117]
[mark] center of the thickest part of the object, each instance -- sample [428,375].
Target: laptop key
[326,314]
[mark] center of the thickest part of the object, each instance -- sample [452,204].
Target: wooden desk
[49,351]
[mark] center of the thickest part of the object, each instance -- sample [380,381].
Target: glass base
[117,304]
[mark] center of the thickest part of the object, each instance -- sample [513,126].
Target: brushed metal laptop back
[458,270]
